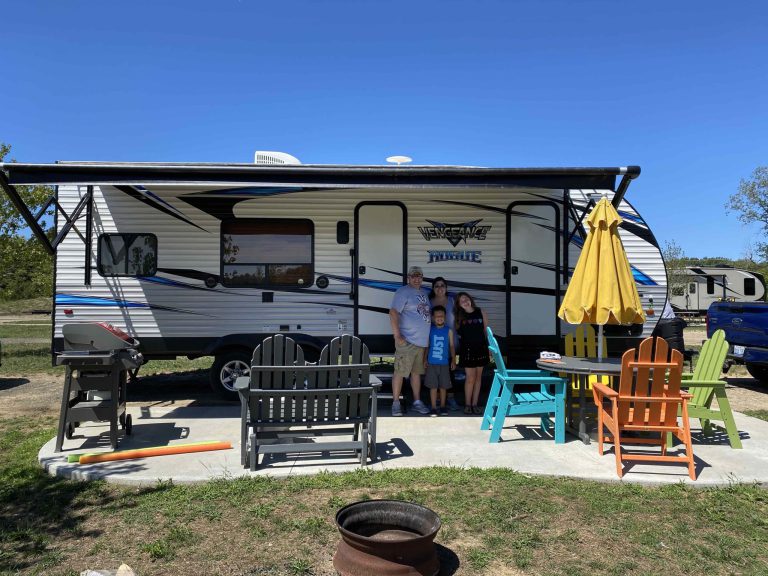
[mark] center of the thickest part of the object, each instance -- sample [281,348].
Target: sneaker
[433,413]
[453,406]
[443,412]
[396,409]
[420,407]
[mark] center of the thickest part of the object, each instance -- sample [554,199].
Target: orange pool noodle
[155,451]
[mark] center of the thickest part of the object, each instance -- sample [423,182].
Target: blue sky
[678,88]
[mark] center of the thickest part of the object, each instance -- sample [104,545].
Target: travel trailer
[208,259]
[704,285]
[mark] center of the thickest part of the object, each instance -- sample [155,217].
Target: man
[411,321]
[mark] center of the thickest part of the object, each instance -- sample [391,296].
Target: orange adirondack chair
[648,400]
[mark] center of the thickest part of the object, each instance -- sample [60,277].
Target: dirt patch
[695,336]
[34,394]
[40,394]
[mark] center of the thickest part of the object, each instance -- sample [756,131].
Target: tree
[675,261]
[751,204]
[26,269]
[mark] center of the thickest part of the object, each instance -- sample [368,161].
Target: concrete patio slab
[407,442]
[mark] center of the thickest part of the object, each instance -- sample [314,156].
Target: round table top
[574,365]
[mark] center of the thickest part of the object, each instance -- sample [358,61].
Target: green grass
[27,359]
[491,519]
[26,330]
[762,414]
[32,305]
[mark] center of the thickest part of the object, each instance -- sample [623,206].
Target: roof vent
[274,158]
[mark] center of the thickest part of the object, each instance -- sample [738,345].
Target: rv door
[380,264]
[533,265]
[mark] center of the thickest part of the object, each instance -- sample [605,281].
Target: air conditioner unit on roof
[274,158]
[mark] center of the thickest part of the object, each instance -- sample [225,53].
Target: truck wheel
[759,372]
[226,369]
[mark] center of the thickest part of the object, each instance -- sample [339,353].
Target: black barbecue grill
[97,357]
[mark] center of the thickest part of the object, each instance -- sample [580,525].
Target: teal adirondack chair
[503,401]
[705,384]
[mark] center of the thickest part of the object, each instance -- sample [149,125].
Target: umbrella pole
[600,343]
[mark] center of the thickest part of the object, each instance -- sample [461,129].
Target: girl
[439,296]
[471,324]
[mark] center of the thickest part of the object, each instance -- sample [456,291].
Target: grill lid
[96,336]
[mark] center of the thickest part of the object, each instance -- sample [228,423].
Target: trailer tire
[759,372]
[226,368]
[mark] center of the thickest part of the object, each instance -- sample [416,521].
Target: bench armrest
[242,383]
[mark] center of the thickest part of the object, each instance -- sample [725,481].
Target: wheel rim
[231,371]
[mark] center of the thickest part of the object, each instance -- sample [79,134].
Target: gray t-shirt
[415,320]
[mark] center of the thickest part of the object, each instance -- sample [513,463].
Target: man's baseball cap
[415,271]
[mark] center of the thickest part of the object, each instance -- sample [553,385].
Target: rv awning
[326,176]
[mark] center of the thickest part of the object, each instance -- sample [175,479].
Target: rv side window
[267,252]
[127,255]
[710,285]
[749,286]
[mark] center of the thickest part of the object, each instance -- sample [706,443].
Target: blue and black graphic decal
[642,278]
[73,300]
[221,203]
[145,196]
[490,208]
[252,191]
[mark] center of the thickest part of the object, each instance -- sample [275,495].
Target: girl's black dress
[473,345]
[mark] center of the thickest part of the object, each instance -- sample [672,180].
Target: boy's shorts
[438,376]
[409,358]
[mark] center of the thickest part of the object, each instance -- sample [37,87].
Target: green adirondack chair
[705,384]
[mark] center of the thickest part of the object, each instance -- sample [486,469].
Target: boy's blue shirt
[439,346]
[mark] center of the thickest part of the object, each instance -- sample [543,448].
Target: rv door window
[710,285]
[692,288]
[749,286]
[267,252]
[127,255]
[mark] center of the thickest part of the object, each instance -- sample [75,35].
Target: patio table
[582,368]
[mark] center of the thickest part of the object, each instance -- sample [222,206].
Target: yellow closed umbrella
[602,289]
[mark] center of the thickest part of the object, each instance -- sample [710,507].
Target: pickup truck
[746,330]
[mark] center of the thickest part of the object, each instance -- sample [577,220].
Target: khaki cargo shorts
[409,358]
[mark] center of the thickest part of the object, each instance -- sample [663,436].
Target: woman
[439,296]
[471,325]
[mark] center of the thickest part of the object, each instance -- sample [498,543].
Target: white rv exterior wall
[198,311]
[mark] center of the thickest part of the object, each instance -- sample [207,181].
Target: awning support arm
[88,235]
[631,173]
[33,221]
[29,218]
[71,220]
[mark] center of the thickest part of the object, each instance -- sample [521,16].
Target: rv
[208,259]
[704,285]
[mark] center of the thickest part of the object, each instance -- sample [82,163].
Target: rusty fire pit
[386,537]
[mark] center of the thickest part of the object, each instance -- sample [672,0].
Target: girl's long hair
[458,311]
[432,290]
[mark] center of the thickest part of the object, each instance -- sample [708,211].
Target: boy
[439,360]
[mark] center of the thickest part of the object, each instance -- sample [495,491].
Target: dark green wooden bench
[288,406]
